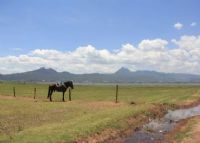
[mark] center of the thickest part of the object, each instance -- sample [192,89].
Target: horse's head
[69,84]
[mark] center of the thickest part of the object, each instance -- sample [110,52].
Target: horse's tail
[48,93]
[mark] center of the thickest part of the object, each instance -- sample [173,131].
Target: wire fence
[23,90]
[39,91]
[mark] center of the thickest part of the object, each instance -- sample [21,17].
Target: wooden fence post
[70,94]
[14,91]
[116,100]
[34,93]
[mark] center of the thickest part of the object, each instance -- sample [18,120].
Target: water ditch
[153,132]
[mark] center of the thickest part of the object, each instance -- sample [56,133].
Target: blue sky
[84,36]
[67,24]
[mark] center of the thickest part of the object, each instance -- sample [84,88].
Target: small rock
[137,129]
[132,102]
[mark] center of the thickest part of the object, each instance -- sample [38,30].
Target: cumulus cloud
[149,54]
[178,26]
[157,44]
[189,43]
[193,24]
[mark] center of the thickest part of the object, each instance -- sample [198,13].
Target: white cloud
[178,26]
[193,24]
[188,42]
[157,44]
[147,55]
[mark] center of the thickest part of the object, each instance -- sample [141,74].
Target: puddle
[153,131]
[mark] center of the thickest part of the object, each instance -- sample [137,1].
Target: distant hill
[123,75]
[123,71]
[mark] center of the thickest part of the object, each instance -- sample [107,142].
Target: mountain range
[123,75]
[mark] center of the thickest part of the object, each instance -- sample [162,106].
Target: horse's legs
[63,96]
[48,93]
[50,98]
[51,95]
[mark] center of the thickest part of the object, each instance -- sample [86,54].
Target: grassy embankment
[91,110]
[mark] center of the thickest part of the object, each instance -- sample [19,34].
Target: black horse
[60,88]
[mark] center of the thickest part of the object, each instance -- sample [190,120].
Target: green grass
[91,110]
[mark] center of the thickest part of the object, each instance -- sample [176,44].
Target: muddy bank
[134,123]
[135,126]
[155,130]
[187,131]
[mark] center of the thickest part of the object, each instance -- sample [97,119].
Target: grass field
[92,109]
